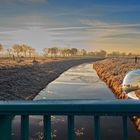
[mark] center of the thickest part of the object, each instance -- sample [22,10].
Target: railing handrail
[70,108]
[66,107]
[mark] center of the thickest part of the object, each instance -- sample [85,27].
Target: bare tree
[31,51]
[9,51]
[17,49]
[83,52]
[45,52]
[53,51]
[64,52]
[25,49]
[74,51]
[91,53]
[101,53]
[114,54]
[1,47]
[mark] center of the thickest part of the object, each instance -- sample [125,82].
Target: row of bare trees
[23,50]
[72,52]
[53,52]
[18,50]
[1,47]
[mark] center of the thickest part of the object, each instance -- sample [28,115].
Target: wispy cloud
[112,35]
[43,23]
[97,24]
[107,31]
[132,36]
[67,28]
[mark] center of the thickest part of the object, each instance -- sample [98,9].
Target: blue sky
[112,25]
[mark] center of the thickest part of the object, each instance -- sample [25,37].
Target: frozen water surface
[80,82]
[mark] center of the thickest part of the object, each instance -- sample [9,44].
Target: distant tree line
[65,52]
[19,50]
[24,51]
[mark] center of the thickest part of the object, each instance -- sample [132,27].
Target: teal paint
[24,127]
[125,127]
[97,128]
[47,127]
[71,133]
[5,127]
[71,108]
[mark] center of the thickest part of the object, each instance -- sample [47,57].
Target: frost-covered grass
[113,71]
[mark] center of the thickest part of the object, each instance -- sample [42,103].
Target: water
[80,82]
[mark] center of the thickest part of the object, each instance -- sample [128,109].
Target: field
[23,81]
[7,62]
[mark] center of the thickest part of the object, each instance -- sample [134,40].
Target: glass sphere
[131,84]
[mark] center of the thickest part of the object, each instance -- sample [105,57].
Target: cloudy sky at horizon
[92,24]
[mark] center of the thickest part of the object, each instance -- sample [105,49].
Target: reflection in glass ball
[131,84]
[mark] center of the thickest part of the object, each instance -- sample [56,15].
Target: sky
[111,25]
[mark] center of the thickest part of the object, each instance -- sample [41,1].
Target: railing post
[47,127]
[5,127]
[97,127]
[71,132]
[125,128]
[24,127]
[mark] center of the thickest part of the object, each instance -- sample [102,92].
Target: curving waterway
[80,82]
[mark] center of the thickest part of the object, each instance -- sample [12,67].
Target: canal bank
[112,72]
[25,82]
[80,82]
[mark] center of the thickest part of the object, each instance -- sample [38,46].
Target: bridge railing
[70,108]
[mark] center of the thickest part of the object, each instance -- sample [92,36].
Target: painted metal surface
[97,108]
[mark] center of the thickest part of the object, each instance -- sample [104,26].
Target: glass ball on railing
[131,84]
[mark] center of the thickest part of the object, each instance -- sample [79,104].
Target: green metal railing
[70,108]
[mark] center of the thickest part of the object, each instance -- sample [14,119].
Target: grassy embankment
[23,81]
[113,71]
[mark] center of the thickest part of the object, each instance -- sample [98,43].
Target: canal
[79,82]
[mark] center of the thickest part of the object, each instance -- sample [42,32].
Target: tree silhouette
[45,52]
[114,54]
[31,51]
[9,52]
[64,52]
[83,52]
[53,51]
[1,47]
[74,51]
[17,49]
[102,53]
[68,52]
[25,49]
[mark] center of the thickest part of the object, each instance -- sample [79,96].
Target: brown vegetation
[26,81]
[113,71]
[137,92]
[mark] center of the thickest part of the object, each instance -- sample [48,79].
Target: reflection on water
[79,82]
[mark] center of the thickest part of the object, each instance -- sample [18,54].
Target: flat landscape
[24,81]
[42,40]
